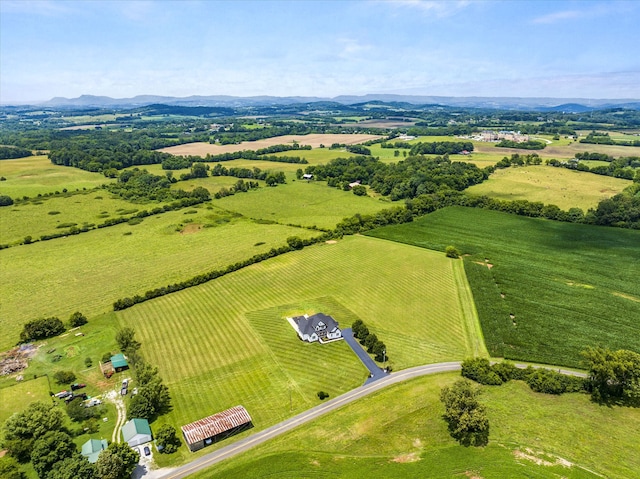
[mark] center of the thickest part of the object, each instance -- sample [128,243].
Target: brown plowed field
[201,149]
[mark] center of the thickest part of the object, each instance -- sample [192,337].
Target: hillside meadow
[549,185]
[299,202]
[89,271]
[35,175]
[399,432]
[227,342]
[544,290]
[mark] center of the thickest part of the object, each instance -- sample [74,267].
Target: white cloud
[48,8]
[590,10]
[438,8]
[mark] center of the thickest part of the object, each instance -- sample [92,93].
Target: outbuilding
[119,362]
[136,432]
[92,449]
[215,428]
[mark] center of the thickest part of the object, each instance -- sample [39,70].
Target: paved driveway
[375,372]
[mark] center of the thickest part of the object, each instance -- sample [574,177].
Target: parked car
[147,451]
[125,383]
[93,402]
[76,386]
[123,391]
[62,394]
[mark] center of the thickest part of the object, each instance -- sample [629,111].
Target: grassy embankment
[399,432]
[568,286]
[227,342]
[549,185]
[35,175]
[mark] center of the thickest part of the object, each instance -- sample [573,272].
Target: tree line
[11,152]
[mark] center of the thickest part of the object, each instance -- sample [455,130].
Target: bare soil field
[560,152]
[201,148]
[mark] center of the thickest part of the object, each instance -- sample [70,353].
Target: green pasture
[550,185]
[45,215]
[227,342]
[568,286]
[211,183]
[19,395]
[399,432]
[35,175]
[89,271]
[299,202]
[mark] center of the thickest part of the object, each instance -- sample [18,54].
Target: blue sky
[576,49]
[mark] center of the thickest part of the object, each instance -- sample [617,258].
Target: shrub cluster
[41,329]
[369,340]
[540,380]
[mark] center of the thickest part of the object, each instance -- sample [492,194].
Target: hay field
[301,203]
[550,185]
[89,271]
[19,395]
[314,140]
[35,175]
[227,342]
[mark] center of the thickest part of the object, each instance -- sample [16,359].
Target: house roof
[92,448]
[134,427]
[216,424]
[119,361]
[313,324]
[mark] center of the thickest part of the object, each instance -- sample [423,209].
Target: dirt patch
[411,457]
[473,475]
[315,463]
[488,265]
[190,229]
[201,148]
[534,456]
[331,241]
[626,296]
[71,351]
[417,442]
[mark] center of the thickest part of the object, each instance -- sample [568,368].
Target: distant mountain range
[573,105]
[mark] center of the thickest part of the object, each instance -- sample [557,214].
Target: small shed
[214,428]
[119,362]
[136,432]
[92,449]
[307,176]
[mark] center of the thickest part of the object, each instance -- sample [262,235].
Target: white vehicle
[93,402]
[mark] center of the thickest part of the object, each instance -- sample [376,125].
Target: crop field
[314,140]
[89,271]
[35,175]
[399,432]
[211,183]
[316,156]
[566,286]
[227,342]
[53,214]
[550,185]
[301,203]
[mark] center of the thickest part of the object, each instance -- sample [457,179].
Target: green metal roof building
[119,362]
[136,432]
[92,449]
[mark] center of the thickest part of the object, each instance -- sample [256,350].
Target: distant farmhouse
[318,327]
[502,135]
[214,428]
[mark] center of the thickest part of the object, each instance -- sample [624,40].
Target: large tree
[167,439]
[467,419]
[74,467]
[614,376]
[117,462]
[49,449]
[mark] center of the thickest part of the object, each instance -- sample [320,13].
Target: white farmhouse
[318,327]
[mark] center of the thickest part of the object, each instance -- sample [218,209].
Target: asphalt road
[302,418]
[375,372]
[317,411]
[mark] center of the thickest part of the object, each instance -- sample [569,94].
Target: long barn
[214,428]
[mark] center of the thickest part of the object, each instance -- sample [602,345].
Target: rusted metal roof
[216,424]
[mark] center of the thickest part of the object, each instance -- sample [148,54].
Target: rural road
[315,412]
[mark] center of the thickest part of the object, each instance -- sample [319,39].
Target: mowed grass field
[550,185]
[567,286]
[227,342]
[17,397]
[89,271]
[44,215]
[35,175]
[301,203]
[399,432]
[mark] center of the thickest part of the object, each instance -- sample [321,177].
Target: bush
[5,200]
[322,395]
[64,377]
[451,252]
[480,371]
[167,439]
[77,319]
[88,362]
